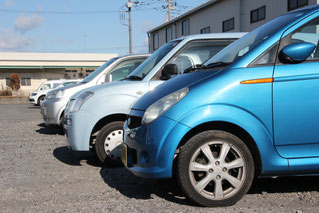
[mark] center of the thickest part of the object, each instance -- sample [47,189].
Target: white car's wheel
[108,142]
[215,168]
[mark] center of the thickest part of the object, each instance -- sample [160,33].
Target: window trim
[153,36]
[25,82]
[298,6]
[233,19]
[257,10]
[188,25]
[201,31]
[170,33]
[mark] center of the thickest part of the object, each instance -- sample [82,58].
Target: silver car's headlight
[76,104]
[161,106]
[34,94]
[55,94]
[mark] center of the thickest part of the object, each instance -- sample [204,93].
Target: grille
[134,121]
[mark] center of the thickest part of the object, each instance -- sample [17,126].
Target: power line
[60,12]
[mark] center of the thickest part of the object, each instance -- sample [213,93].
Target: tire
[40,99]
[62,123]
[215,182]
[108,143]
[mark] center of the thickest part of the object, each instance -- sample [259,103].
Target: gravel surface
[38,173]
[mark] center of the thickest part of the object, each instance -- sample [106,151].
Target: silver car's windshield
[141,71]
[98,71]
[240,47]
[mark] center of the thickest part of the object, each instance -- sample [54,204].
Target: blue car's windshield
[252,39]
[141,71]
[98,71]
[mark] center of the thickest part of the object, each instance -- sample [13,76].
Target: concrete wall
[214,14]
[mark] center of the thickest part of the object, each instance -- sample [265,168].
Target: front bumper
[151,148]
[78,127]
[51,111]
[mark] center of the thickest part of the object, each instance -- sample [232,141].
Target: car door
[296,99]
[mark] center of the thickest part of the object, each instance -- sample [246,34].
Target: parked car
[115,69]
[37,96]
[94,117]
[68,83]
[251,111]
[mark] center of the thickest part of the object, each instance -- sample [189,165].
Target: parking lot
[38,173]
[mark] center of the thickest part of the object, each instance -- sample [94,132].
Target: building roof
[49,60]
[184,15]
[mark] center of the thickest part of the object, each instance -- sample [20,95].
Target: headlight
[33,94]
[161,106]
[55,94]
[76,104]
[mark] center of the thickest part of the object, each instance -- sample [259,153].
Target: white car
[95,116]
[37,96]
[52,109]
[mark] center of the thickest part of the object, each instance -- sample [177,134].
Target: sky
[77,26]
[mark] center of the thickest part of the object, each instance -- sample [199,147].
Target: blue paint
[282,117]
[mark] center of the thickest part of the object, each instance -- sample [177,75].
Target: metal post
[129,6]
[169,10]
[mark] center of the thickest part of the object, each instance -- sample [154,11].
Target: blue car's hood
[171,86]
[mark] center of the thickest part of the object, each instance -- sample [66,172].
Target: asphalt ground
[38,173]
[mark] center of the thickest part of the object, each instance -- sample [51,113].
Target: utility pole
[129,6]
[169,10]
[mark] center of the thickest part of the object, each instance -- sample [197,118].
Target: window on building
[185,28]
[155,41]
[205,30]
[228,25]
[7,82]
[258,14]
[294,4]
[168,34]
[89,71]
[25,81]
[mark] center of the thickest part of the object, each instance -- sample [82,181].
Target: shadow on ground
[51,130]
[75,158]
[140,188]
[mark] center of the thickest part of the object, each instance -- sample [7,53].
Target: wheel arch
[104,121]
[227,127]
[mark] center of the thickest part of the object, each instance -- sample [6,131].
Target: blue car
[250,111]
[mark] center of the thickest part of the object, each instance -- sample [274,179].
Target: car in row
[36,97]
[94,117]
[116,69]
[250,111]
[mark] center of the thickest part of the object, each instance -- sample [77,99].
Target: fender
[104,106]
[272,163]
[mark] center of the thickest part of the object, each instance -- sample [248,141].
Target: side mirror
[108,78]
[297,52]
[169,70]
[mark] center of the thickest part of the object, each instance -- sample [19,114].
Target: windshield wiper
[208,66]
[133,77]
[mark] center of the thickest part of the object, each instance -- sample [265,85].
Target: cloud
[25,23]
[8,3]
[10,41]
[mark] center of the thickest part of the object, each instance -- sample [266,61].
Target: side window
[55,85]
[267,58]
[45,87]
[197,53]
[124,68]
[308,33]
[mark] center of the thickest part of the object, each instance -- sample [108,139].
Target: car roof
[213,36]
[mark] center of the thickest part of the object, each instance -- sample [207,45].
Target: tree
[15,81]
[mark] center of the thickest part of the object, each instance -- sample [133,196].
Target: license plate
[124,153]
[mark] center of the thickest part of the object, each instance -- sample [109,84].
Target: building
[217,16]
[35,68]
